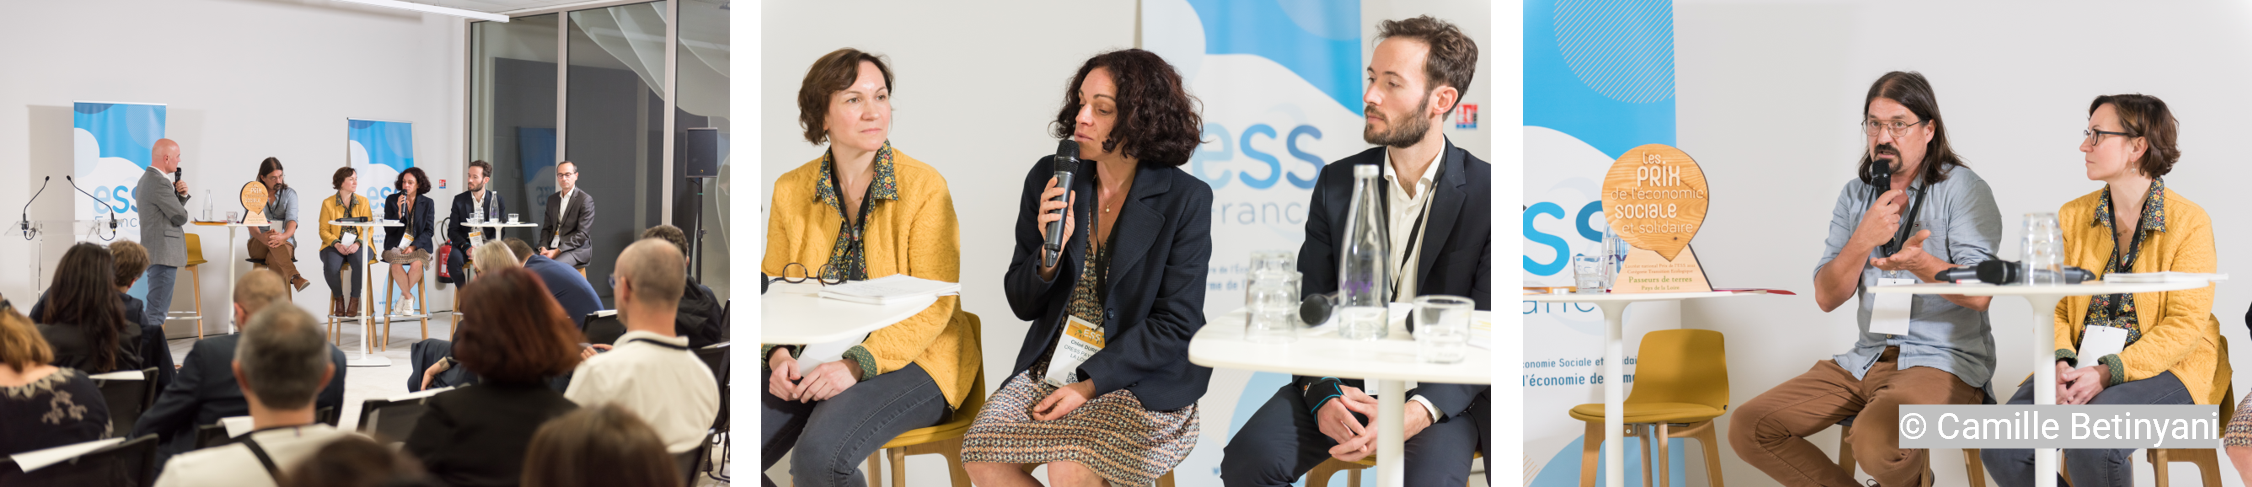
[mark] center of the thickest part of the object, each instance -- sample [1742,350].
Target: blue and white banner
[1280,84]
[1598,82]
[380,150]
[110,145]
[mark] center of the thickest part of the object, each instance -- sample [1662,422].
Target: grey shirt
[281,208]
[1965,226]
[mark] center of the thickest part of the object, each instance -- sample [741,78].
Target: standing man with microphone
[162,214]
[1931,350]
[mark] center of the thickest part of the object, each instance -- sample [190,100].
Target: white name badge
[2098,341]
[1081,339]
[1890,315]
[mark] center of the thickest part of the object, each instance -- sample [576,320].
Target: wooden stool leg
[420,300]
[1845,450]
[1642,435]
[1974,466]
[1664,474]
[1591,447]
[875,469]
[954,468]
[898,467]
[1710,438]
[195,272]
[1165,480]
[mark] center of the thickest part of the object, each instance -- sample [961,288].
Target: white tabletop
[390,223]
[796,314]
[1319,352]
[491,224]
[2090,288]
[230,224]
[1600,297]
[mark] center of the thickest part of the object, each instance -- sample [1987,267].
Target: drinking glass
[1442,328]
[2043,245]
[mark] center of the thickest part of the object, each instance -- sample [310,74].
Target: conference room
[366,242]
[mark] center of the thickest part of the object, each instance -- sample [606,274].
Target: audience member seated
[598,446]
[282,363]
[568,287]
[431,360]
[42,406]
[85,327]
[355,461]
[514,337]
[700,309]
[132,262]
[650,371]
[206,389]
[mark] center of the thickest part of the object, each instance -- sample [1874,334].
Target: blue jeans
[2014,468]
[161,278]
[846,428]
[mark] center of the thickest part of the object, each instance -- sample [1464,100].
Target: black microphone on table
[1067,161]
[1998,271]
[105,204]
[25,225]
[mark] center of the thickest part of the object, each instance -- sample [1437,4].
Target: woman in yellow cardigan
[336,251]
[863,210]
[2173,352]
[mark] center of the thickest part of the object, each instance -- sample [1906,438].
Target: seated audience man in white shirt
[282,362]
[651,371]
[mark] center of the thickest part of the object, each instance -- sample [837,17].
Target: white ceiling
[502,6]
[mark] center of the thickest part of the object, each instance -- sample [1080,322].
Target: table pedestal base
[2044,372]
[1614,393]
[1391,429]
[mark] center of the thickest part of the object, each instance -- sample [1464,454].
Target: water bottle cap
[1367,171]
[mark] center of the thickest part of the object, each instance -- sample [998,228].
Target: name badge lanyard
[1415,230]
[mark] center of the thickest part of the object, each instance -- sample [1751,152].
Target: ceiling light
[434,9]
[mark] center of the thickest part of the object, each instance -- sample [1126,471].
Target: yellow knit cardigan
[2179,332]
[915,235]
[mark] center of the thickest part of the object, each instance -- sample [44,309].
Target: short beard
[1404,133]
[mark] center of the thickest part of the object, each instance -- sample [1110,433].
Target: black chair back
[691,462]
[603,329]
[127,398]
[327,416]
[726,315]
[715,356]
[211,435]
[128,464]
[390,421]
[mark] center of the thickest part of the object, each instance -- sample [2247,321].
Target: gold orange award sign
[1655,198]
[254,200]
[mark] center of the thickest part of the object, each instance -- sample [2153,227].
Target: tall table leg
[1614,393]
[2044,374]
[367,320]
[232,326]
[1391,428]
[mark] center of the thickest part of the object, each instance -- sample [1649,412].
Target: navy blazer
[1155,301]
[418,224]
[205,391]
[1456,246]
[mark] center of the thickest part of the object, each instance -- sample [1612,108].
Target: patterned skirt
[1111,434]
[2240,425]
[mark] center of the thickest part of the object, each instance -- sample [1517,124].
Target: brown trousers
[280,258]
[1770,431]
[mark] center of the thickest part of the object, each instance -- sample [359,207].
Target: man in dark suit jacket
[1436,204]
[476,201]
[205,390]
[570,215]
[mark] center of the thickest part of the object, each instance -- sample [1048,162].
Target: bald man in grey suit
[162,214]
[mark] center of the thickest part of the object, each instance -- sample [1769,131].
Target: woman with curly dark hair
[407,248]
[82,319]
[1102,390]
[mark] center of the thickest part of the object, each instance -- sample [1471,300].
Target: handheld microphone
[105,205]
[1066,161]
[25,225]
[1998,271]
[1315,309]
[176,172]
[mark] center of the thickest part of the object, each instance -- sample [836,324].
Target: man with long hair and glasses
[1943,352]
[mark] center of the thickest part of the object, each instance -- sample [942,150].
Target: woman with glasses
[2142,348]
[862,210]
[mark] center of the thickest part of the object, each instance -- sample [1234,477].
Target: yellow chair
[944,439]
[195,280]
[2208,462]
[1680,381]
[1320,475]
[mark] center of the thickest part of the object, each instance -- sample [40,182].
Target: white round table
[367,274]
[1320,352]
[1614,370]
[2044,301]
[796,314]
[495,225]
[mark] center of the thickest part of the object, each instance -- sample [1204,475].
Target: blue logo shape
[388,143]
[1317,39]
[1601,73]
[124,131]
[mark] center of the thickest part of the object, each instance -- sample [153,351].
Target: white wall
[244,80]
[976,86]
[1769,94]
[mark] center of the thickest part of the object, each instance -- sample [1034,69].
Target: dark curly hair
[832,73]
[1158,122]
[421,181]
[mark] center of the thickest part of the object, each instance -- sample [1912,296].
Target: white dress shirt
[234,466]
[669,388]
[1407,218]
